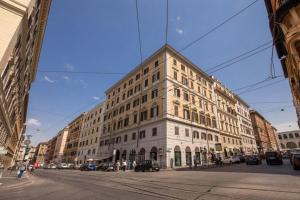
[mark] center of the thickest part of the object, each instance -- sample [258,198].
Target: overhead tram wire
[234,58]
[167,22]
[239,60]
[184,48]
[217,26]
[81,72]
[254,89]
[139,31]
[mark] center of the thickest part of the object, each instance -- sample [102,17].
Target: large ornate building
[169,110]
[265,133]
[284,17]
[88,149]
[23,25]
[289,140]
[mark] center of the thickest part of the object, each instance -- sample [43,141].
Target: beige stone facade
[289,140]
[61,139]
[41,153]
[265,133]
[72,143]
[88,149]
[23,24]
[169,110]
[284,19]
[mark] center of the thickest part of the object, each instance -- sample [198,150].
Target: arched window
[177,156]
[291,145]
[282,146]
[142,154]
[153,153]
[132,155]
[188,155]
[203,136]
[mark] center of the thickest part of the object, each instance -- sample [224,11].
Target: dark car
[295,161]
[108,166]
[273,158]
[253,160]
[242,158]
[147,165]
[87,167]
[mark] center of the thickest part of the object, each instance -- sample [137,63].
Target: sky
[103,36]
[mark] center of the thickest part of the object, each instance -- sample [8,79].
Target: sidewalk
[10,180]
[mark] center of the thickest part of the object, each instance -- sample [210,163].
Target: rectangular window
[183,68]
[175,75]
[154,93]
[174,62]
[146,70]
[154,131]
[146,83]
[128,106]
[135,118]
[176,130]
[187,132]
[154,112]
[185,96]
[133,136]
[155,77]
[125,138]
[184,81]
[156,64]
[144,98]
[176,110]
[144,115]
[142,134]
[186,113]
[177,92]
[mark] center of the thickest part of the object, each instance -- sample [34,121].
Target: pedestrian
[129,165]
[133,165]
[118,165]
[195,161]
[21,170]
[124,165]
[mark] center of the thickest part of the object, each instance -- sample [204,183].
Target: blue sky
[102,36]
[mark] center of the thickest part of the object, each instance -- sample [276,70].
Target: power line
[81,72]
[234,58]
[239,60]
[139,31]
[247,91]
[253,84]
[218,26]
[167,21]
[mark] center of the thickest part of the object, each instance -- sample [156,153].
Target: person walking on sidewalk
[21,170]
[124,165]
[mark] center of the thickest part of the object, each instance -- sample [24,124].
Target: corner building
[165,110]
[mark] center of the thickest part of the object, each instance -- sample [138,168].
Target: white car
[231,159]
[62,166]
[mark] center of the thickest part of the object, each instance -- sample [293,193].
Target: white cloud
[66,78]
[179,31]
[178,18]
[69,67]
[33,122]
[83,83]
[96,98]
[46,78]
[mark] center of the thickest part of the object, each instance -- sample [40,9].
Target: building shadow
[285,169]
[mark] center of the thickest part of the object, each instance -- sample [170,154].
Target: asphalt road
[232,182]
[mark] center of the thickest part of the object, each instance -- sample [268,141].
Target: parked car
[231,160]
[242,158]
[147,165]
[236,159]
[253,160]
[295,160]
[62,166]
[273,158]
[72,166]
[52,166]
[108,166]
[88,167]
